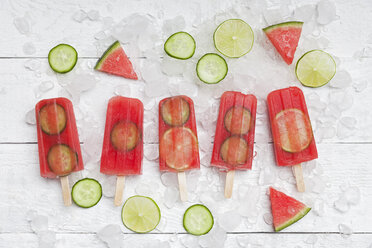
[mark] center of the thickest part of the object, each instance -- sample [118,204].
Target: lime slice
[140,214]
[233,38]
[315,68]
[198,220]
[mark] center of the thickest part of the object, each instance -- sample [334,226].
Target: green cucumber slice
[125,136]
[180,45]
[198,220]
[53,118]
[175,111]
[62,58]
[86,192]
[211,68]
[62,160]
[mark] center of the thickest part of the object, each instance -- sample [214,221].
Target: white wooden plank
[22,189]
[29,240]
[19,97]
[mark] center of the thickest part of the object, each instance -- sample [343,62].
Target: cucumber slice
[62,58]
[62,160]
[234,150]
[211,68]
[237,120]
[140,214]
[125,136]
[53,118]
[175,111]
[86,192]
[198,220]
[294,128]
[180,45]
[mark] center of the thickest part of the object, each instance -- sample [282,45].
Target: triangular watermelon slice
[115,61]
[285,36]
[285,209]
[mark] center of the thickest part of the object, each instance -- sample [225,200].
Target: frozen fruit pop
[122,149]
[234,138]
[178,143]
[58,141]
[291,129]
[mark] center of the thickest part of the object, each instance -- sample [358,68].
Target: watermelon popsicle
[178,142]
[291,129]
[234,138]
[122,149]
[58,142]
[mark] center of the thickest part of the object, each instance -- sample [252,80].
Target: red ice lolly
[122,149]
[58,141]
[178,142]
[234,138]
[291,129]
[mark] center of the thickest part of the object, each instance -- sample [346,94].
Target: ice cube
[170,197]
[109,186]
[360,86]
[151,152]
[32,64]
[46,86]
[215,238]
[304,13]
[352,195]
[174,25]
[349,122]
[30,117]
[229,220]
[100,35]
[267,176]
[39,223]
[29,48]
[341,100]
[268,218]
[122,90]
[171,66]
[156,88]
[318,207]
[311,239]
[111,235]
[47,239]
[145,189]
[93,15]
[323,42]
[341,204]
[22,24]
[345,231]
[273,16]
[326,12]
[79,16]
[344,131]
[151,133]
[367,52]
[189,241]
[79,83]
[342,79]
[248,196]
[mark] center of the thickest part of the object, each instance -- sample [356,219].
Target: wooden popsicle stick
[297,172]
[182,186]
[120,180]
[229,184]
[66,194]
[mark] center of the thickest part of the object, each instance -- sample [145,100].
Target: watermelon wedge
[115,61]
[285,36]
[285,209]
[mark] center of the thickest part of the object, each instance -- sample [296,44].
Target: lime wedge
[233,38]
[315,68]
[198,220]
[140,214]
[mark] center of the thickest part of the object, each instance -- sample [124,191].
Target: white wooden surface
[343,162]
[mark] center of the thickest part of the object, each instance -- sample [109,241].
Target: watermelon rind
[296,218]
[111,49]
[283,24]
